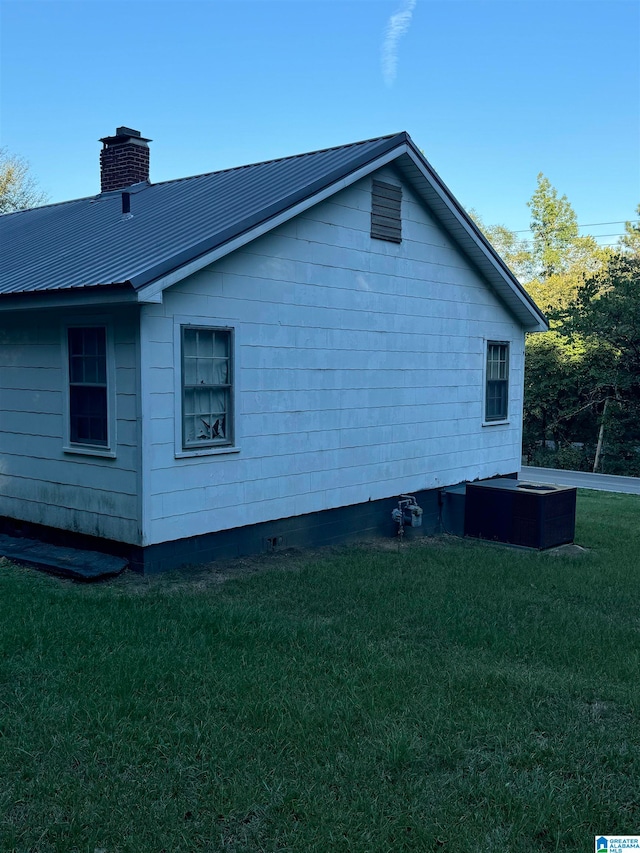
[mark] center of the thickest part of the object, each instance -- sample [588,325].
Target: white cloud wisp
[398,25]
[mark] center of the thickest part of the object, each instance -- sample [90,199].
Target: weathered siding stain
[39,482]
[359,367]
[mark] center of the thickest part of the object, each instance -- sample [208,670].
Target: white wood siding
[359,367]
[39,482]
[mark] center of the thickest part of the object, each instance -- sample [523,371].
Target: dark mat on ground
[58,560]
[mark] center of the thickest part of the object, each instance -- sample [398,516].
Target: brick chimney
[124,160]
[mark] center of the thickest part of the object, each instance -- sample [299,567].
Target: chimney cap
[125,134]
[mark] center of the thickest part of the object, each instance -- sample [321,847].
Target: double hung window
[497,381]
[88,391]
[207,387]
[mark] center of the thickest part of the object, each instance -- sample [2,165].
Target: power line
[598,236]
[596,224]
[605,245]
[589,225]
[593,237]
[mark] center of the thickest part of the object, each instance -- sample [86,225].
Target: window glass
[88,415]
[497,379]
[206,387]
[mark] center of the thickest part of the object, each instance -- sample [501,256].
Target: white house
[262,356]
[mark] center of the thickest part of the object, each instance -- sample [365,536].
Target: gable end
[386,214]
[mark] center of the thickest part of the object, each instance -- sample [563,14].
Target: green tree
[554,227]
[553,263]
[554,293]
[549,393]
[18,189]
[561,397]
[606,315]
[582,379]
[630,240]
[607,307]
[513,250]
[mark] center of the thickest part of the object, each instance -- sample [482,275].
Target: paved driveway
[601,482]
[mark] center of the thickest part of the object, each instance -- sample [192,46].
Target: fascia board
[150,292]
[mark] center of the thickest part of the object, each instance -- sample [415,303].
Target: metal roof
[89,243]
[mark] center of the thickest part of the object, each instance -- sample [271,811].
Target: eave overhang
[95,296]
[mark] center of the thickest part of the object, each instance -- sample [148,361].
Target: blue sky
[493,91]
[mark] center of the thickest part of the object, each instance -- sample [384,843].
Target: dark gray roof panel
[88,243]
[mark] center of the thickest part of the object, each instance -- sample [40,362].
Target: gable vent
[386,217]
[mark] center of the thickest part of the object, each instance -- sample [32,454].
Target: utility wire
[594,236]
[598,236]
[589,225]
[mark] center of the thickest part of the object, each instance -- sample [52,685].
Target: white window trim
[108,451]
[503,421]
[212,449]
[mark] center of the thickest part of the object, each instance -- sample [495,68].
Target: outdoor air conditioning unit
[519,513]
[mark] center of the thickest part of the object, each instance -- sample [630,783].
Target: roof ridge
[401,133]
[215,172]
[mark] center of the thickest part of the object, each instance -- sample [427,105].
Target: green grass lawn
[449,696]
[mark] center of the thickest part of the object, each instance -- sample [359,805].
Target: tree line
[582,378]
